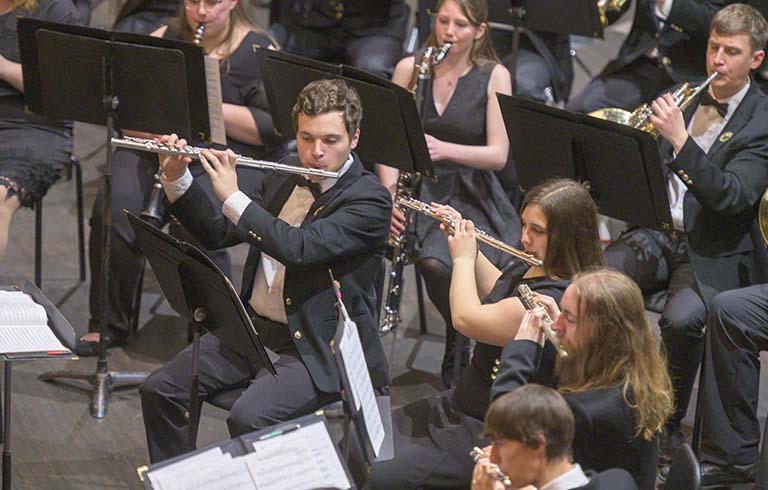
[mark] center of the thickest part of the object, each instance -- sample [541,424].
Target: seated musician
[532,429]
[33,150]
[737,330]
[613,378]
[294,238]
[665,46]
[230,38]
[433,436]
[367,34]
[714,155]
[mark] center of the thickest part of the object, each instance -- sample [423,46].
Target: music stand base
[101,384]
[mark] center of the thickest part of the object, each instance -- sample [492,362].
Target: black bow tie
[313,187]
[720,107]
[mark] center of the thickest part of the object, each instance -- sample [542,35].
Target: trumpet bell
[612,114]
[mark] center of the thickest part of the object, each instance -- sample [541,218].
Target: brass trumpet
[423,208]
[526,297]
[640,118]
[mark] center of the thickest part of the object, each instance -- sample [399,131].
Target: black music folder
[154,78]
[296,455]
[619,165]
[391,132]
[199,291]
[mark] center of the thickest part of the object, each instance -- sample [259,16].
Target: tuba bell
[605,6]
[640,118]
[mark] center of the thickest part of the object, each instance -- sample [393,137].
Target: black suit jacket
[724,187]
[556,51]
[605,422]
[613,479]
[682,42]
[345,231]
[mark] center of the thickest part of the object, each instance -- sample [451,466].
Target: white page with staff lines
[24,325]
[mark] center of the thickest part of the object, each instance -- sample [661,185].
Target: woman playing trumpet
[231,38]
[433,436]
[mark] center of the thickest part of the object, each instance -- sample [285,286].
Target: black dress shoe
[84,348]
[716,476]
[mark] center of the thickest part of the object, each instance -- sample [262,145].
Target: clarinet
[406,183]
[152,211]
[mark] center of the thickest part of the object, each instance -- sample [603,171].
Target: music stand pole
[103,380]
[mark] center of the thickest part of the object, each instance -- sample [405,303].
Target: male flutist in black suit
[295,237]
[715,154]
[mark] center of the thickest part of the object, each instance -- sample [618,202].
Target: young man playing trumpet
[296,235]
[715,154]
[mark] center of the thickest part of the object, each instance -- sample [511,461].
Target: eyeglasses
[209,4]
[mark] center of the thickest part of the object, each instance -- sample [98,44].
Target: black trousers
[264,402]
[376,52]
[657,261]
[132,179]
[640,81]
[738,331]
[533,78]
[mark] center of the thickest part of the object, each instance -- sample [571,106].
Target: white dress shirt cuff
[235,205]
[174,189]
[663,12]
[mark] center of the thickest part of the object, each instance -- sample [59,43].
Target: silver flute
[142,144]
[484,237]
[498,475]
[526,296]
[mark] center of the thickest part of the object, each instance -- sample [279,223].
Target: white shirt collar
[570,479]
[328,182]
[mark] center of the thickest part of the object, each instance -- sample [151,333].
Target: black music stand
[198,291]
[63,331]
[619,165]
[121,80]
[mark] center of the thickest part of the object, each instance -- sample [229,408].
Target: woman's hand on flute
[462,243]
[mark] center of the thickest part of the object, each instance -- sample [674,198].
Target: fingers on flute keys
[173,166]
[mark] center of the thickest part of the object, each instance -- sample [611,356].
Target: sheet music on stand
[296,455]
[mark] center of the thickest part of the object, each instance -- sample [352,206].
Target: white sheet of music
[360,381]
[24,325]
[174,475]
[302,459]
[225,474]
[215,111]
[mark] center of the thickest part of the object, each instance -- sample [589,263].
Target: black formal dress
[654,56]
[605,421]
[368,34]
[344,230]
[719,247]
[433,436]
[737,332]
[133,176]
[33,149]
[475,193]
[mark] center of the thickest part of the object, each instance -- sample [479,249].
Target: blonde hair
[618,349]
[28,5]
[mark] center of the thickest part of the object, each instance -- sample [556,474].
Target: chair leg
[420,299]
[80,215]
[39,243]
[133,327]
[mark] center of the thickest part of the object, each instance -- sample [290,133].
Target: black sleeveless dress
[433,436]
[476,194]
[33,149]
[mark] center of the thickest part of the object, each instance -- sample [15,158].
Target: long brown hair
[573,242]
[618,349]
[476,11]
[238,17]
